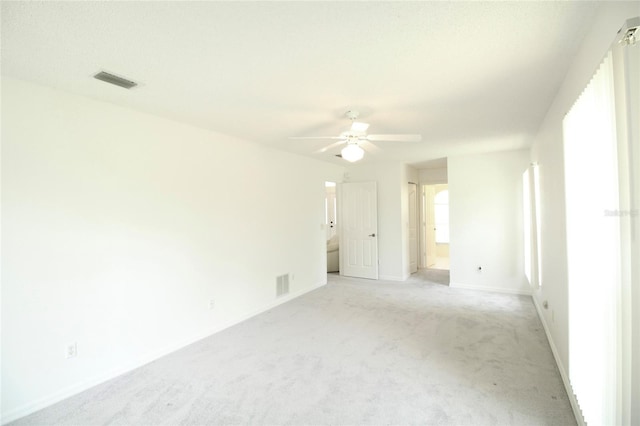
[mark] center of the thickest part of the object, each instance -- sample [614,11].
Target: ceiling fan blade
[328,147]
[315,137]
[359,127]
[369,146]
[395,138]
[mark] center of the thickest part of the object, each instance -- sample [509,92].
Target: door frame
[414,248]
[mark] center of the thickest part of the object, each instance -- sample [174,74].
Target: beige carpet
[352,352]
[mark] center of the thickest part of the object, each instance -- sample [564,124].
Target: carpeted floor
[352,352]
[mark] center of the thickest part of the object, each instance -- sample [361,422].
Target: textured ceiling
[467,76]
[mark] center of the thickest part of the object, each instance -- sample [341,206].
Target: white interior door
[359,244]
[330,208]
[413,227]
[430,228]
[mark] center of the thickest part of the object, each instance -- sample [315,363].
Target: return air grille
[114,79]
[282,285]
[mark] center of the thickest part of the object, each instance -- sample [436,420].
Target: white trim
[565,377]
[522,291]
[31,407]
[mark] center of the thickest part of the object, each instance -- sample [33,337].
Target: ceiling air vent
[114,79]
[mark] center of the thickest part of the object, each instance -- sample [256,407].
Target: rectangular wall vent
[114,79]
[282,285]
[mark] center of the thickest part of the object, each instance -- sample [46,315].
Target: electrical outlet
[479,268]
[72,350]
[212,303]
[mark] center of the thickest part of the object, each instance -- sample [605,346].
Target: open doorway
[331,227]
[435,226]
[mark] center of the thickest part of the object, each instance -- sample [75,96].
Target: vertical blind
[593,258]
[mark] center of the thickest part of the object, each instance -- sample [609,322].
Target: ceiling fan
[358,140]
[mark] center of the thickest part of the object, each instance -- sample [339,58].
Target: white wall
[432,176]
[409,174]
[485,214]
[547,150]
[119,227]
[389,177]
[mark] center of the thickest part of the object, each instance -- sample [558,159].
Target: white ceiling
[467,76]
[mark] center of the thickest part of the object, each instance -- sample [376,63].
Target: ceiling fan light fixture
[352,153]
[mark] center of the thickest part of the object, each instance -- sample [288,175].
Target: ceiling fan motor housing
[352,114]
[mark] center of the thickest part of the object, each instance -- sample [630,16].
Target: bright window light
[526,221]
[537,224]
[591,189]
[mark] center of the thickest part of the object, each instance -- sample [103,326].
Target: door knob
[372,235]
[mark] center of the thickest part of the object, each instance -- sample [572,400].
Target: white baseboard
[563,373]
[32,407]
[522,292]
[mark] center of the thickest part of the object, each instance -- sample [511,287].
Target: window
[531,225]
[537,242]
[593,260]
[527,224]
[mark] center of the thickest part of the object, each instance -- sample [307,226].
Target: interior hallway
[352,352]
[441,263]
